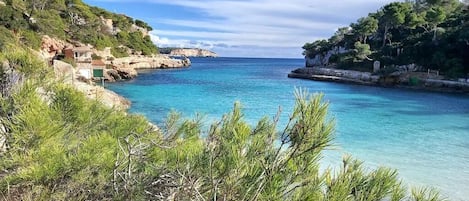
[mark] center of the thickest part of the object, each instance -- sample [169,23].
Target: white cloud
[184,43]
[257,23]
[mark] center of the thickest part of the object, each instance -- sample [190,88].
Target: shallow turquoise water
[424,135]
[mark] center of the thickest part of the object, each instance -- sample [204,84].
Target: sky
[243,28]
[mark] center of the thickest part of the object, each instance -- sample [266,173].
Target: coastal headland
[400,45]
[401,79]
[187,52]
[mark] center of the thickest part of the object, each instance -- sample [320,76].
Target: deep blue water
[424,135]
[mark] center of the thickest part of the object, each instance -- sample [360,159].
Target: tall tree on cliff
[338,39]
[365,27]
[437,12]
[393,15]
[318,48]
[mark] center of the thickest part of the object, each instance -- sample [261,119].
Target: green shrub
[6,37]
[119,52]
[96,57]
[24,62]
[50,23]
[31,39]
[54,20]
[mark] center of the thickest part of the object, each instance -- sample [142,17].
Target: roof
[82,49]
[97,63]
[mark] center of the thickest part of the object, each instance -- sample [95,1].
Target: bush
[6,37]
[95,57]
[54,20]
[23,62]
[119,52]
[454,68]
[31,39]
[50,23]
[143,24]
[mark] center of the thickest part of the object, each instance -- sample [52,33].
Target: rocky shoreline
[192,52]
[126,68]
[115,69]
[408,80]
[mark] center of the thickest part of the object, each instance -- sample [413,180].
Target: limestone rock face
[193,53]
[116,74]
[126,68]
[127,73]
[52,46]
[323,60]
[158,61]
[111,75]
[64,71]
[336,75]
[108,25]
[141,29]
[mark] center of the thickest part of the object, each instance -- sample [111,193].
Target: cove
[424,135]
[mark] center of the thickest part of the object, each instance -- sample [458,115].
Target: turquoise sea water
[422,134]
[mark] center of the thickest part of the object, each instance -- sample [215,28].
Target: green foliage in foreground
[63,146]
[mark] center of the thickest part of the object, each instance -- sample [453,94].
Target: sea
[424,135]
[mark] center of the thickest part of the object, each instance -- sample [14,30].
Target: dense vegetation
[61,146]
[433,34]
[73,20]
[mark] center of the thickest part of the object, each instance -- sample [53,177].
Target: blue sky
[243,28]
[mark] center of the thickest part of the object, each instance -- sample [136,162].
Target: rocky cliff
[193,53]
[150,62]
[126,68]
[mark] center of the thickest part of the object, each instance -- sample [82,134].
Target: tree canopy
[433,34]
[73,20]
